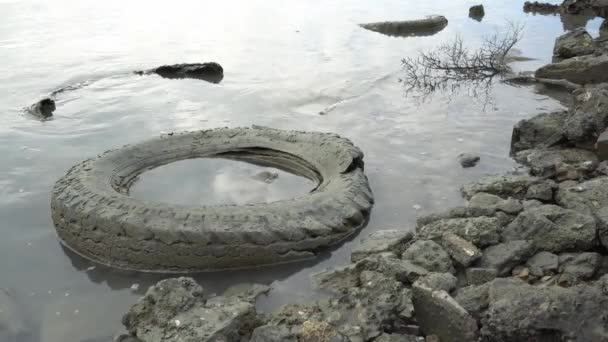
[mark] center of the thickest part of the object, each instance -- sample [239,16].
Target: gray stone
[13,325]
[381,241]
[438,281]
[590,197]
[493,202]
[532,204]
[338,278]
[409,28]
[553,229]
[543,264]
[401,270]
[569,163]
[541,191]
[439,314]
[581,266]
[503,257]
[474,299]
[581,70]
[176,310]
[481,231]
[467,160]
[520,312]
[588,118]
[514,186]
[574,43]
[429,255]
[478,276]
[541,131]
[273,333]
[461,250]
[43,109]
[457,212]
[601,146]
[396,338]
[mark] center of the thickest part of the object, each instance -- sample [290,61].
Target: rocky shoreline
[525,260]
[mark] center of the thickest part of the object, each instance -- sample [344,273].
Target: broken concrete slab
[461,250]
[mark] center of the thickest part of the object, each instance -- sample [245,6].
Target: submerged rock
[521,312]
[177,310]
[580,70]
[574,43]
[467,160]
[210,72]
[477,12]
[409,28]
[553,229]
[43,108]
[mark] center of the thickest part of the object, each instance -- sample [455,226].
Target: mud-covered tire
[95,217]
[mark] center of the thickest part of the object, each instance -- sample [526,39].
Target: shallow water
[284,62]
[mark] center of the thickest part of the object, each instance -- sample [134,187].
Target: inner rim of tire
[123,179]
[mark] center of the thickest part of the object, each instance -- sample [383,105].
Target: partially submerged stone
[553,229]
[581,70]
[210,72]
[467,160]
[381,241]
[461,250]
[574,43]
[520,312]
[428,255]
[409,28]
[503,257]
[543,264]
[43,108]
[541,131]
[477,12]
[481,231]
[561,163]
[439,314]
[514,186]
[177,310]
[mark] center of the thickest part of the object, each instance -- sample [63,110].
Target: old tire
[95,217]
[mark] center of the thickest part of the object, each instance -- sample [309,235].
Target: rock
[521,312]
[409,28]
[272,333]
[574,43]
[563,164]
[43,108]
[176,310]
[396,338]
[401,270]
[13,326]
[457,212]
[477,12]
[541,192]
[493,202]
[429,255]
[553,229]
[475,299]
[601,146]
[514,186]
[478,276]
[543,264]
[337,279]
[481,231]
[581,70]
[503,257]
[603,29]
[588,118]
[438,281]
[439,314]
[210,72]
[532,204]
[381,241]
[590,197]
[468,159]
[432,338]
[461,250]
[581,266]
[540,7]
[541,131]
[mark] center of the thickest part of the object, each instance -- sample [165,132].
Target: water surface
[284,62]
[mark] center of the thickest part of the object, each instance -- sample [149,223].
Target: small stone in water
[135,287]
[468,159]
